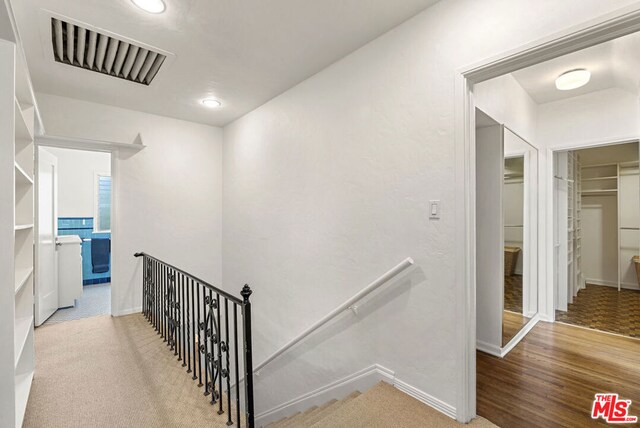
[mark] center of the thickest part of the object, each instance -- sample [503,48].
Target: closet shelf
[22,178]
[23,227]
[23,387]
[23,328]
[22,130]
[600,178]
[22,276]
[608,192]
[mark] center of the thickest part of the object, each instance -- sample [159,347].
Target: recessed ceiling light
[151,6]
[211,103]
[573,79]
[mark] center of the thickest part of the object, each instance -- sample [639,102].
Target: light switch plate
[434,209]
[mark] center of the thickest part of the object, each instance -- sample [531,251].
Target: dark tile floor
[606,309]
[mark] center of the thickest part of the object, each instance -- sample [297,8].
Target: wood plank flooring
[605,308]
[550,378]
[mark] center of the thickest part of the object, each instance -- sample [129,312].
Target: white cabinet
[69,270]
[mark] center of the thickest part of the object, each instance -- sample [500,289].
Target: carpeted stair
[381,407]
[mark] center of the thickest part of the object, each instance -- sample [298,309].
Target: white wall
[76,180]
[604,116]
[600,239]
[167,197]
[509,104]
[327,186]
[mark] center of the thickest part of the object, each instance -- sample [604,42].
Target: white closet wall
[629,221]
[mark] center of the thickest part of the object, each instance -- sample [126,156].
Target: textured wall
[166,197]
[327,186]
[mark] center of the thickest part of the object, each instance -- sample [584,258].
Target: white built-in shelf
[600,178]
[23,387]
[607,192]
[19,227]
[23,132]
[21,176]
[23,327]
[22,276]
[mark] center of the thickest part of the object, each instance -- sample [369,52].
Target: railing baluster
[156,299]
[145,281]
[204,347]
[248,357]
[155,295]
[194,332]
[199,338]
[186,312]
[183,326]
[228,367]
[237,366]
[213,338]
[174,307]
[219,361]
[165,330]
[188,330]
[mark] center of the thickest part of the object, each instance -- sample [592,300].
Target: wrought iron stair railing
[193,317]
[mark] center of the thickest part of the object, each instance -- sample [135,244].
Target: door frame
[75,144]
[36,227]
[602,29]
[552,151]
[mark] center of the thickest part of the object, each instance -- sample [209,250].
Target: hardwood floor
[605,308]
[550,378]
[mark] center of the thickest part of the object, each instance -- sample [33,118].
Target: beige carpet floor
[384,406]
[112,372]
[117,372]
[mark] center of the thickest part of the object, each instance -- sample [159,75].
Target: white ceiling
[243,52]
[612,64]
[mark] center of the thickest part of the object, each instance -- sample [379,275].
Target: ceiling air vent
[88,49]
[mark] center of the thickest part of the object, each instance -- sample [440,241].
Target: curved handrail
[359,295]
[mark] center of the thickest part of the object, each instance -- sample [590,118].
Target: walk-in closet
[598,235]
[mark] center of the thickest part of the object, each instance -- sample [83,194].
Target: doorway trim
[94,146]
[602,29]
[551,152]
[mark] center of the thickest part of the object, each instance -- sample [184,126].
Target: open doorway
[73,248]
[597,227]
[581,111]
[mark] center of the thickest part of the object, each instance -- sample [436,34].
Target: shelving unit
[619,180]
[17,122]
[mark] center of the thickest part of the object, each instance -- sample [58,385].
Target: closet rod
[630,228]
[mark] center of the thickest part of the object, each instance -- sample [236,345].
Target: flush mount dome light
[211,103]
[151,6]
[573,79]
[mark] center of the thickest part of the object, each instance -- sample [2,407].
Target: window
[102,220]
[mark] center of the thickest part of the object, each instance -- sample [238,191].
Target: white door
[46,256]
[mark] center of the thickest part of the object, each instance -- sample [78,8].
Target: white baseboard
[500,352]
[359,381]
[425,398]
[127,312]
[626,285]
[488,348]
[519,336]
